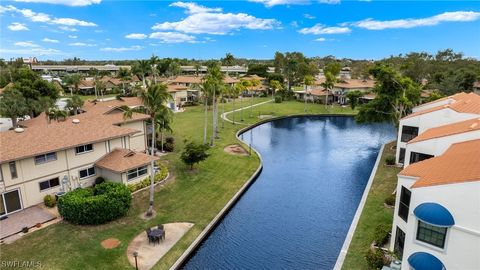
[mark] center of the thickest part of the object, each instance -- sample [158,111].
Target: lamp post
[135,255]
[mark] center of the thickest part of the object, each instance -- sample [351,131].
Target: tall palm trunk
[251,105]
[213,120]
[161,137]
[152,173]
[206,120]
[233,111]
[143,82]
[241,109]
[223,111]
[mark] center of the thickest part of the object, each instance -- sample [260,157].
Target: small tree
[74,103]
[13,105]
[353,97]
[194,153]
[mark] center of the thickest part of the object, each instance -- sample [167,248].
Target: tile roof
[456,96]
[121,160]
[350,83]
[43,138]
[459,164]
[466,103]
[100,122]
[187,79]
[448,130]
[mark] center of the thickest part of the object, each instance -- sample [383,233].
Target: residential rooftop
[121,160]
[466,103]
[448,130]
[459,164]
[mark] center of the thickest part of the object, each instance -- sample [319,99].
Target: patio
[149,254]
[29,217]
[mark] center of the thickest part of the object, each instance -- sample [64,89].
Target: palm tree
[328,84]
[154,60]
[228,60]
[125,75]
[235,90]
[254,83]
[46,103]
[197,67]
[307,81]
[275,86]
[74,103]
[142,67]
[74,80]
[163,120]
[214,80]
[154,99]
[99,86]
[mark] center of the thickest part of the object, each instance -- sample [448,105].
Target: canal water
[297,213]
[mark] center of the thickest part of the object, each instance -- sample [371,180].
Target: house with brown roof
[444,111]
[50,157]
[436,218]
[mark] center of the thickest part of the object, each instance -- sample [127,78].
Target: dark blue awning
[434,214]
[425,261]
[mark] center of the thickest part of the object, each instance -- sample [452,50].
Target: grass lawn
[191,197]
[374,212]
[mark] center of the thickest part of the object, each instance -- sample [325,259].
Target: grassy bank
[374,212]
[191,196]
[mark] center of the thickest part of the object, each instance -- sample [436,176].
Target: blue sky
[103,30]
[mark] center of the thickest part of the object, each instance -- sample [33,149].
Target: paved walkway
[149,254]
[224,115]
[28,217]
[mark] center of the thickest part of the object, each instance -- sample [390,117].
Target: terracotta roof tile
[350,83]
[456,96]
[459,164]
[448,130]
[121,160]
[468,103]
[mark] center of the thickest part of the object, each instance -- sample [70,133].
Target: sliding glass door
[10,202]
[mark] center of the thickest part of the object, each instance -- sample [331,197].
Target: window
[401,156]
[399,242]
[432,235]
[49,184]
[13,169]
[83,148]
[87,172]
[408,133]
[404,204]
[416,157]
[137,172]
[45,158]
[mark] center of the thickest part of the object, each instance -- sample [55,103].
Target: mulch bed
[110,243]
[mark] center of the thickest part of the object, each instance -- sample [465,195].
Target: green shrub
[390,200]
[390,160]
[169,145]
[381,234]
[103,203]
[49,201]
[278,99]
[146,181]
[99,180]
[374,258]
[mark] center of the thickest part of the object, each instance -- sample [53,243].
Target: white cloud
[294,24]
[26,44]
[122,49]
[30,51]
[72,36]
[72,22]
[45,18]
[271,3]
[172,37]
[68,28]
[321,39]
[192,8]
[81,44]
[18,27]
[320,29]
[308,16]
[136,36]
[202,20]
[50,40]
[456,16]
[73,3]
[330,2]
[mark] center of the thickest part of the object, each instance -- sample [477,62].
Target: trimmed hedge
[91,206]
[49,201]
[146,181]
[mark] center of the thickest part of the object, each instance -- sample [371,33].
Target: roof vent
[19,130]
[76,121]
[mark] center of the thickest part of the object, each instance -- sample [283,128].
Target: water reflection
[297,213]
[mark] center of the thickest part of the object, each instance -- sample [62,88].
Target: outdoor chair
[150,237]
[160,227]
